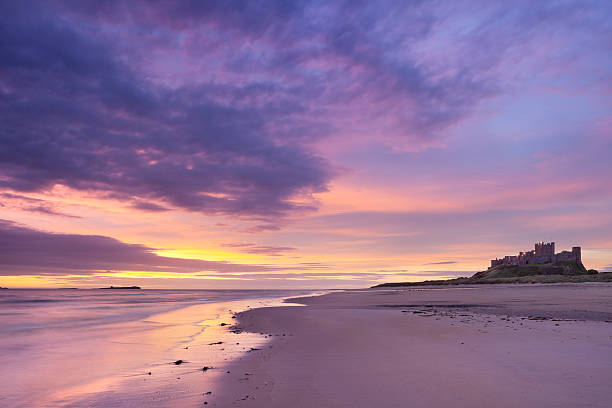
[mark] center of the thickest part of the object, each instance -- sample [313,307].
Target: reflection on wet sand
[55,358]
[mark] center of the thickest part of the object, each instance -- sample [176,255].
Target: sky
[302,144]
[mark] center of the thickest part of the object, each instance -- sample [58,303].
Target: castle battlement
[543,253]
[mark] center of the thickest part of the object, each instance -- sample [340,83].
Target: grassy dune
[559,272]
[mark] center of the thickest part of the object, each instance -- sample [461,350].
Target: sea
[121,347]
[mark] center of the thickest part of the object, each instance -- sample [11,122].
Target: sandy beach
[488,346]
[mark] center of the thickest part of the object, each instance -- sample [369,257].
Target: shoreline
[126,354]
[503,346]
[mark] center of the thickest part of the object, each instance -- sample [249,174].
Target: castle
[542,254]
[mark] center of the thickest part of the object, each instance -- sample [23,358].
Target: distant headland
[122,287]
[540,265]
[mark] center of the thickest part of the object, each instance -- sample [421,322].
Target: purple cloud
[33,205]
[250,248]
[441,263]
[25,251]
[148,206]
[213,106]
[75,115]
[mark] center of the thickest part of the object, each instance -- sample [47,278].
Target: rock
[178,362]
[206,368]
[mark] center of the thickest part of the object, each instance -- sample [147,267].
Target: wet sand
[91,348]
[501,346]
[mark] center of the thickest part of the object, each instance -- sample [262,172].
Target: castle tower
[576,252]
[544,249]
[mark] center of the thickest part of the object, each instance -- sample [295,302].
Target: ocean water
[101,348]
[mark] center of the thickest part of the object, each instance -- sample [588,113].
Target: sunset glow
[299,144]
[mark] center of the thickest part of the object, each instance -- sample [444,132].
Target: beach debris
[252,349]
[207,393]
[149,373]
[178,362]
[223,324]
[216,342]
[206,368]
[185,348]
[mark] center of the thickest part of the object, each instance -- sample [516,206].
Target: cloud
[33,205]
[441,263]
[314,265]
[404,273]
[262,228]
[148,206]
[43,209]
[25,251]
[73,113]
[212,107]
[260,249]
